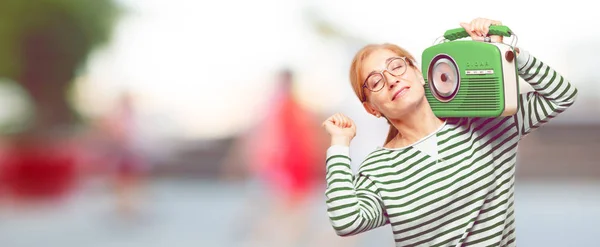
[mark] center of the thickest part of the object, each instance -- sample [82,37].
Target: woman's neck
[415,126]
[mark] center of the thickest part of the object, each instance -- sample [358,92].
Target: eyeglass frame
[408,62]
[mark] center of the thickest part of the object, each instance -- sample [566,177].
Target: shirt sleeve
[553,93]
[353,202]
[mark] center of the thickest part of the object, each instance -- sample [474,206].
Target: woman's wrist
[340,141]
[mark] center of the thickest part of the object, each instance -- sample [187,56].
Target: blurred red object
[284,150]
[39,171]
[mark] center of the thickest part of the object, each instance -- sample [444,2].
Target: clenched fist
[479,28]
[341,129]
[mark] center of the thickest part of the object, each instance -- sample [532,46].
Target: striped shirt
[465,196]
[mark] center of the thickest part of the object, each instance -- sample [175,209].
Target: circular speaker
[443,77]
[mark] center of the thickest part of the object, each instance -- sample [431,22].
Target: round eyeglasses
[396,66]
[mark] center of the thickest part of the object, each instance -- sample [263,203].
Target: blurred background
[163,123]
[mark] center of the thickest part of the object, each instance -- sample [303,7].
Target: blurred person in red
[282,155]
[130,167]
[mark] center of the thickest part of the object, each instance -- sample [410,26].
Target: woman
[437,182]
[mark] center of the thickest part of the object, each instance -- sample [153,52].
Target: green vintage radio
[466,78]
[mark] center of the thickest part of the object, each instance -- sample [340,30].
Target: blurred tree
[43,43]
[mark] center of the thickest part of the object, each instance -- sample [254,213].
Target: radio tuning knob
[509,56]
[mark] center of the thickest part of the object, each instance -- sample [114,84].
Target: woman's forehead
[377,59]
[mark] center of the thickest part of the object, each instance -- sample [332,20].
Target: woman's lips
[401,92]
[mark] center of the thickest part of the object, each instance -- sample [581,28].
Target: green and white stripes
[466,195]
[553,94]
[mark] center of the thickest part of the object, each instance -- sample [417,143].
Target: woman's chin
[408,104]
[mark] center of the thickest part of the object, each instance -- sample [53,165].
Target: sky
[205,69]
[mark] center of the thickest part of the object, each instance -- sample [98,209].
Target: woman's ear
[371,110]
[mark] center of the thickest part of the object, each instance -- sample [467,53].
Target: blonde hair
[357,78]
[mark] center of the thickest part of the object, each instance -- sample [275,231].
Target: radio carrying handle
[459,33]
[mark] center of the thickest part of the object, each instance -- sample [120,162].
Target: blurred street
[202,213]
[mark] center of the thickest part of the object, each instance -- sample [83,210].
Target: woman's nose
[391,79]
